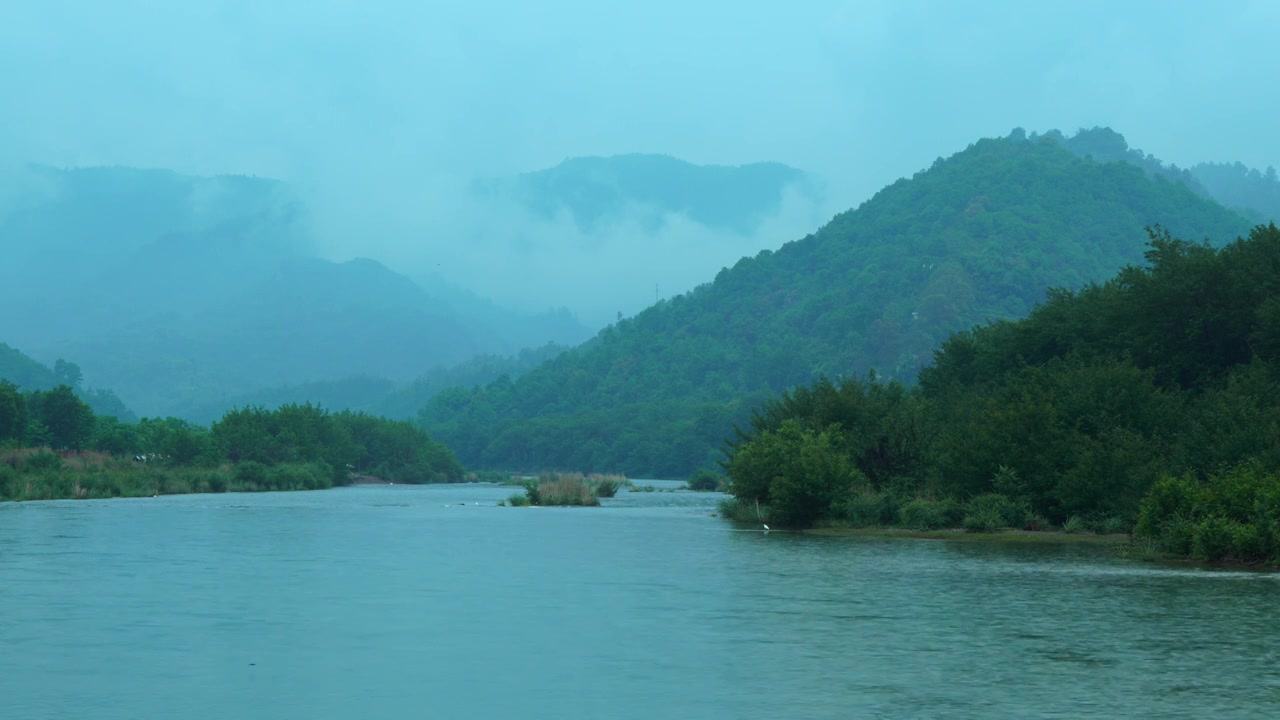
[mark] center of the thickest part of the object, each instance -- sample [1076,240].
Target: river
[431,602]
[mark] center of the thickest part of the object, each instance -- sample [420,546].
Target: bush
[1073,525]
[41,461]
[998,508]
[606,488]
[533,493]
[984,520]
[518,500]
[1250,543]
[1213,538]
[251,473]
[921,514]
[704,481]
[868,509]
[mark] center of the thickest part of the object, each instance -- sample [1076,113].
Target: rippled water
[399,602]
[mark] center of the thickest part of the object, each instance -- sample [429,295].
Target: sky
[380,111]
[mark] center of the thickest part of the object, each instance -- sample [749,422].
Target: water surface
[400,601]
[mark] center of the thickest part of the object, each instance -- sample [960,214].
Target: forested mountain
[28,375]
[596,191]
[1236,186]
[1255,194]
[977,236]
[175,290]
[1150,402]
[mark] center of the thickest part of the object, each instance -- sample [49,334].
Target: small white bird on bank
[766,527]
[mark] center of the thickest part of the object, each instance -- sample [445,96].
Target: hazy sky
[379,107]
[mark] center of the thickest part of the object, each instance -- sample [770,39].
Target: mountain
[598,191]
[177,290]
[978,236]
[376,395]
[1253,193]
[29,375]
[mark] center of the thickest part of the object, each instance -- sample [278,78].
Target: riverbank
[962,535]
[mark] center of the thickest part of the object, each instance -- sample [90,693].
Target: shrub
[984,519]
[867,509]
[1034,521]
[41,461]
[1074,524]
[1250,543]
[1213,538]
[533,493]
[922,514]
[251,473]
[997,507]
[704,481]
[1177,534]
[606,488]
[518,500]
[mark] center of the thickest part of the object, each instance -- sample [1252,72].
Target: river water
[431,602]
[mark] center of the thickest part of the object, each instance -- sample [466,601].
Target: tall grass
[39,474]
[572,489]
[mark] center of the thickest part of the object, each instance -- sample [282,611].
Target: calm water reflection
[394,602]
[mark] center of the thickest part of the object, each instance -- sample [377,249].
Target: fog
[381,113]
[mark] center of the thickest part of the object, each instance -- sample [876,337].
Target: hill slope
[177,290]
[977,236]
[29,375]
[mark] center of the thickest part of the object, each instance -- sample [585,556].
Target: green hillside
[29,375]
[1150,402]
[975,237]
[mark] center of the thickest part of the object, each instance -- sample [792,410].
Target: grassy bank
[39,474]
[961,535]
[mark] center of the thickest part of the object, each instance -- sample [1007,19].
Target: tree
[67,418]
[13,412]
[67,373]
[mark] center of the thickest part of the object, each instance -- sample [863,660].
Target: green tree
[67,418]
[13,412]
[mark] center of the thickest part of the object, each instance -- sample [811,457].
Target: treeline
[977,236]
[52,446]
[1254,193]
[1150,402]
[25,372]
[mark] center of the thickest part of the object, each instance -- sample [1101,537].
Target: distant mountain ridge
[172,289]
[980,235]
[1254,193]
[597,191]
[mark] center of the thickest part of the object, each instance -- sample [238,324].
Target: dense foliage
[977,236]
[292,447]
[26,373]
[1166,377]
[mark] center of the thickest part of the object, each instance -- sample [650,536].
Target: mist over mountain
[171,288]
[596,192]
